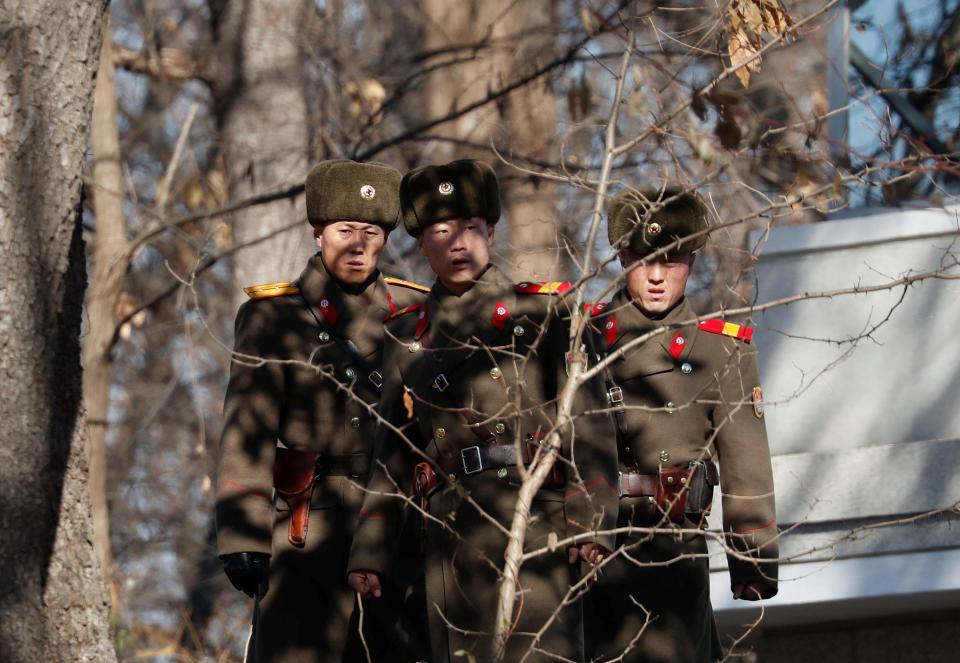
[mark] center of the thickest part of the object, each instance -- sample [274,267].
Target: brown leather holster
[294,475]
[681,491]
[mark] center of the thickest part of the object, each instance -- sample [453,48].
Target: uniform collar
[469,315]
[629,315]
[490,279]
[317,284]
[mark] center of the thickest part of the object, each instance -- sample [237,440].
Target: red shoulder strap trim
[718,326]
[542,287]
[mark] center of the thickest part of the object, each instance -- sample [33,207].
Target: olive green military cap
[341,189]
[685,215]
[460,189]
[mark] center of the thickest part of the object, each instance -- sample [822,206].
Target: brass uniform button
[351,373]
[324,337]
[355,422]
[414,347]
[441,432]
[502,473]
[670,407]
[500,429]
[496,373]
[664,456]
[686,368]
[519,330]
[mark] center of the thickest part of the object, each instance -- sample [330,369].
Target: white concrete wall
[864,430]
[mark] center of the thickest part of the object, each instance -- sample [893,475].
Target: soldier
[307,364]
[682,399]
[476,370]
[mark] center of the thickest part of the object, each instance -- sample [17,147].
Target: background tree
[526,86]
[52,593]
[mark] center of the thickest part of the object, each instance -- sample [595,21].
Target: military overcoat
[493,356]
[306,366]
[690,393]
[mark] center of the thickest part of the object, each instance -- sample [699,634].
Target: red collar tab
[423,318]
[717,326]
[677,345]
[543,287]
[329,311]
[393,307]
[610,333]
[593,310]
[500,316]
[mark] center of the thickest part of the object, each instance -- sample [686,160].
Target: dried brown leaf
[741,51]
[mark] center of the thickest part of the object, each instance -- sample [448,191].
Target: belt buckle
[376,378]
[470,458]
[441,383]
[615,395]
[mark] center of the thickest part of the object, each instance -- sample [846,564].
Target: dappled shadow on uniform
[463,566]
[301,386]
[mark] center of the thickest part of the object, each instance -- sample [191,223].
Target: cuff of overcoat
[753,557]
[244,524]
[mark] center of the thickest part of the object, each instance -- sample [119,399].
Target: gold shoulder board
[391,280]
[271,290]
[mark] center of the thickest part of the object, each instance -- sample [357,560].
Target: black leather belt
[476,459]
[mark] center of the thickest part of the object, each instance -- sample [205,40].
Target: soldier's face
[350,249]
[657,285]
[458,251]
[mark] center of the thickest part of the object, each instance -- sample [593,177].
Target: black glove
[248,571]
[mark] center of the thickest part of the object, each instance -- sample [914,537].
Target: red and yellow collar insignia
[543,287]
[717,326]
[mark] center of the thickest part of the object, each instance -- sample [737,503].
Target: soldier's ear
[318,236]
[491,228]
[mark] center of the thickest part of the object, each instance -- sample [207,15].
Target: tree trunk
[261,107]
[535,231]
[53,604]
[109,267]
[516,38]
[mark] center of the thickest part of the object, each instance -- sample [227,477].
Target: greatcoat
[492,359]
[689,394]
[306,368]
